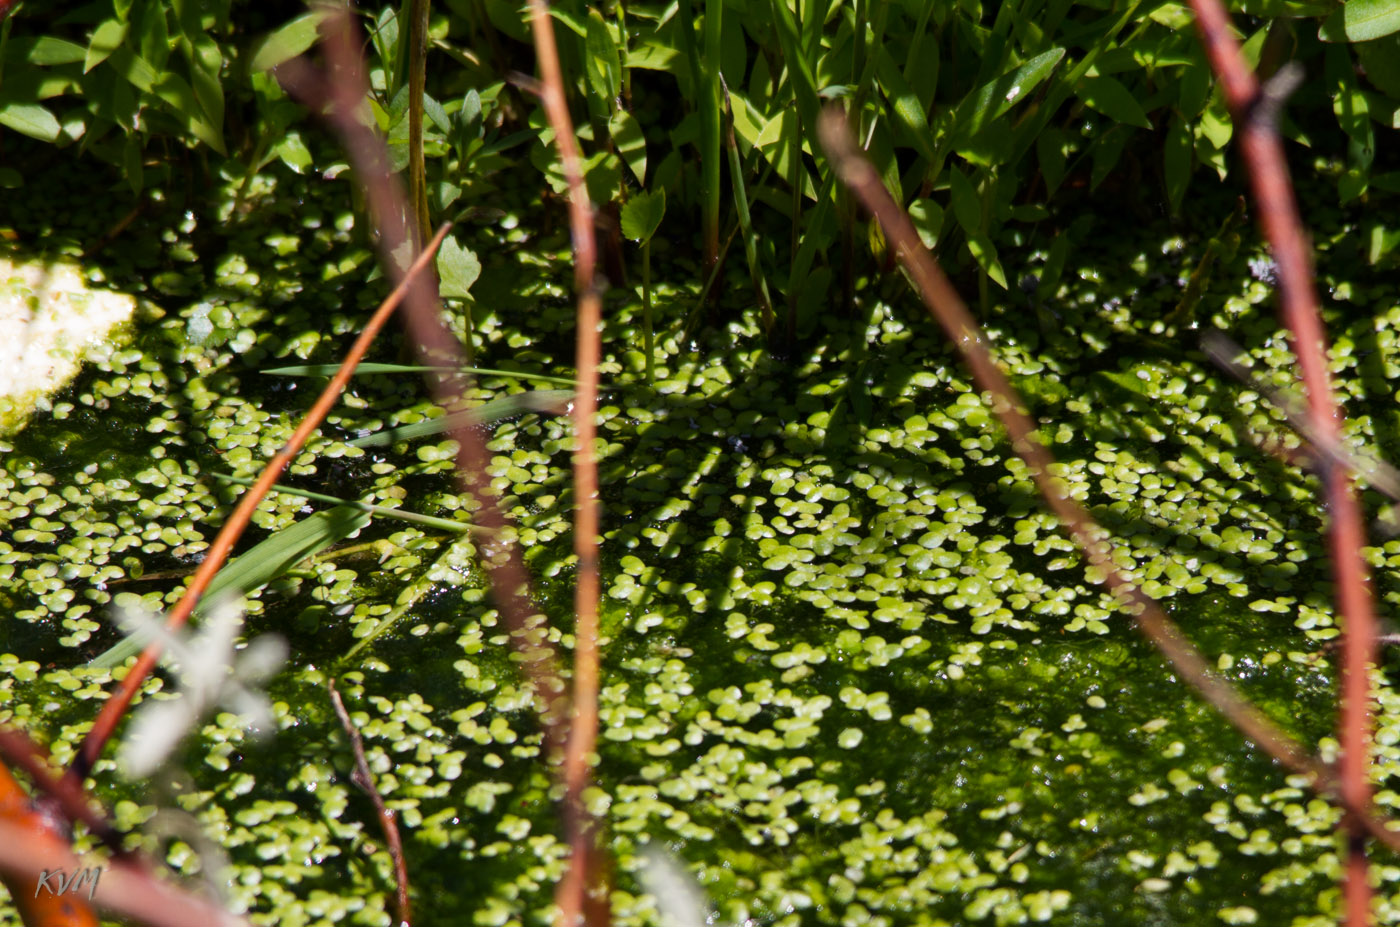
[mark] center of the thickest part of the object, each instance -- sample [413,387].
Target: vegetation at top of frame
[976,114]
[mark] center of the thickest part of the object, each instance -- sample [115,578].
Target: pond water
[853,674]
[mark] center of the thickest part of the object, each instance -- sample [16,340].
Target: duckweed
[854,674]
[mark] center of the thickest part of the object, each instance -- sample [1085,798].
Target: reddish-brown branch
[948,310]
[1253,109]
[387,822]
[116,706]
[339,96]
[126,886]
[65,794]
[572,892]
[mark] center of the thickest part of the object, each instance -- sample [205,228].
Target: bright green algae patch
[853,673]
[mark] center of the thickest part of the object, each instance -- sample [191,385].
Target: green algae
[853,674]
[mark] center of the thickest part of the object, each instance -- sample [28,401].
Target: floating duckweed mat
[853,673]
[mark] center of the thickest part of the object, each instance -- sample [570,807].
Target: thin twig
[1254,110]
[948,310]
[387,821]
[571,895]
[1378,474]
[115,707]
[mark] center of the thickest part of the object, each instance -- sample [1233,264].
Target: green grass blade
[428,521]
[325,370]
[551,401]
[741,203]
[262,564]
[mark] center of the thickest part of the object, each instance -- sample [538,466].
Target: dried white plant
[680,902]
[209,673]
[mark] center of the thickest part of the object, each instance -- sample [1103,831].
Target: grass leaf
[263,563]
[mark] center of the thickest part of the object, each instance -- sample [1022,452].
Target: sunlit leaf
[286,43]
[1110,97]
[106,38]
[642,215]
[30,119]
[626,133]
[457,269]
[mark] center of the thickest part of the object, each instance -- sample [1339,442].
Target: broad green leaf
[181,100]
[438,116]
[997,96]
[549,401]
[1381,59]
[653,57]
[30,119]
[602,174]
[569,19]
[986,257]
[642,215]
[748,122]
[260,565]
[626,134]
[47,51]
[1215,124]
[134,69]
[1110,97]
[132,166]
[457,269]
[106,39]
[904,103]
[1050,152]
[470,113]
[967,205]
[1365,20]
[1107,149]
[600,61]
[775,130]
[293,152]
[928,220]
[285,43]
[1176,162]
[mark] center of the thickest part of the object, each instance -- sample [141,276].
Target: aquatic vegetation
[852,673]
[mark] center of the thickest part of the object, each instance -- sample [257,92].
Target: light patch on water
[50,321]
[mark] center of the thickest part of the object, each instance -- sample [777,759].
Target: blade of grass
[741,204]
[259,566]
[322,370]
[549,401]
[414,518]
